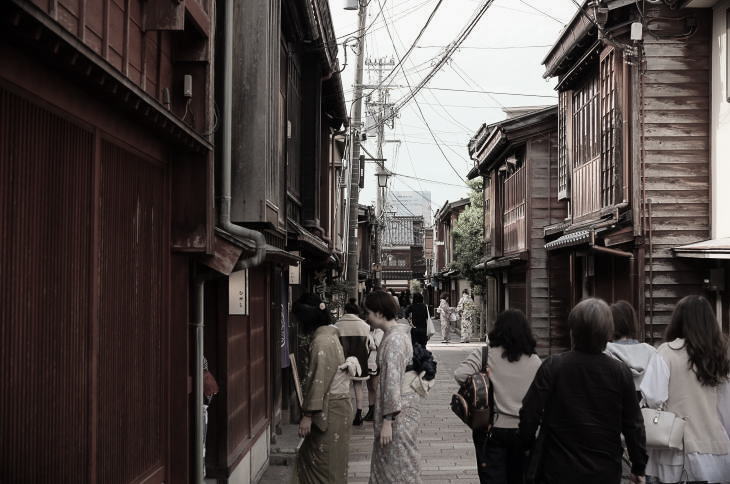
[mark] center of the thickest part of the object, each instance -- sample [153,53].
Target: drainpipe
[198,424]
[225,223]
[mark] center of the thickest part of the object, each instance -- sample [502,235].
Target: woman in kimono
[447,315]
[326,411]
[397,407]
[466,309]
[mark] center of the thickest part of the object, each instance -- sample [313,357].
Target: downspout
[198,424]
[225,223]
[225,210]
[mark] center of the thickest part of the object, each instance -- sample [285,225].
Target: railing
[515,229]
[587,188]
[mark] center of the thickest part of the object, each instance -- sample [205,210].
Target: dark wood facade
[518,159]
[633,155]
[100,221]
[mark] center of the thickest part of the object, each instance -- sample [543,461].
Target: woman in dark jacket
[418,314]
[583,400]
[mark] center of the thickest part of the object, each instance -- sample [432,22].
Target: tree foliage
[469,236]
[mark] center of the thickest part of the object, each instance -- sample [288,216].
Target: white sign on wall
[238,292]
[295,273]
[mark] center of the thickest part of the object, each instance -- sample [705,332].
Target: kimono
[448,316]
[324,453]
[467,309]
[399,462]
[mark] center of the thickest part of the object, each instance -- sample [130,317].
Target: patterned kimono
[467,309]
[324,453]
[399,462]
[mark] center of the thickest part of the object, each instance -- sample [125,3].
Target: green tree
[469,236]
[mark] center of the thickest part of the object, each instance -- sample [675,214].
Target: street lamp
[383,179]
[352,4]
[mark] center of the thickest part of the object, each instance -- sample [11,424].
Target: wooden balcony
[515,228]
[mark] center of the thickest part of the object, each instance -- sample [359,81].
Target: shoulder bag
[430,329]
[474,402]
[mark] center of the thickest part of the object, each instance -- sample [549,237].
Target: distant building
[410,203]
[402,256]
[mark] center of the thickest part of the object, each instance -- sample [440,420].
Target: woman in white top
[689,377]
[512,364]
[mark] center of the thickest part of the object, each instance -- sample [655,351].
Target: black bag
[474,402]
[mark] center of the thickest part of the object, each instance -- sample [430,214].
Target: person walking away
[417,313]
[374,339]
[395,456]
[447,315]
[583,401]
[354,334]
[466,310]
[625,346]
[327,410]
[512,363]
[689,378]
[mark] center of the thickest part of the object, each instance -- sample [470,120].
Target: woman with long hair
[512,364]
[583,401]
[398,402]
[689,377]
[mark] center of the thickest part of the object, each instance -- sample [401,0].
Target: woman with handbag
[512,364]
[689,380]
[583,401]
[395,458]
[417,313]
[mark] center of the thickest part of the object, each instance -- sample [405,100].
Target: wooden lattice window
[610,126]
[564,165]
[586,121]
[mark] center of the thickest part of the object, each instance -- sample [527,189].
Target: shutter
[564,166]
[610,126]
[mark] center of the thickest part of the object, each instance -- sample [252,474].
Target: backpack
[474,402]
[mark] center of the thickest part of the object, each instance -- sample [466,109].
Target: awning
[568,240]
[276,254]
[306,237]
[708,249]
[506,261]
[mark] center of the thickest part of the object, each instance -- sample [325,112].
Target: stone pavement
[445,443]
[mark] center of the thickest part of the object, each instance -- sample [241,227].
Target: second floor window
[586,120]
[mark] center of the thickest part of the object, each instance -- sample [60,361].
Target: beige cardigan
[688,398]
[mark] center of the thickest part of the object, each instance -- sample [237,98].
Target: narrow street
[445,443]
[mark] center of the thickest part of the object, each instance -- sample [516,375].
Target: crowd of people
[593,414]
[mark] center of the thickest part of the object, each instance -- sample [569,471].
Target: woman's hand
[305,426]
[386,433]
[638,479]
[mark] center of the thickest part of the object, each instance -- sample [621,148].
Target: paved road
[445,443]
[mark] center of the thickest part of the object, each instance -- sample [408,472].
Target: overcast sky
[499,56]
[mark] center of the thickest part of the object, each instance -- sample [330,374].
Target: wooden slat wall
[675,92]
[586,188]
[514,212]
[543,209]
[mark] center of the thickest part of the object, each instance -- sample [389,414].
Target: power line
[505,47]
[542,12]
[419,107]
[413,44]
[461,37]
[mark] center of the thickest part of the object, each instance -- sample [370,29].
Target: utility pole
[355,134]
[381,111]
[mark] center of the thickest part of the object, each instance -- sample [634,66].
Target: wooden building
[713,255]
[366,246]
[106,198]
[517,159]
[633,153]
[445,279]
[287,106]
[402,251]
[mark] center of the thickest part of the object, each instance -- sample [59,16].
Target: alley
[445,443]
